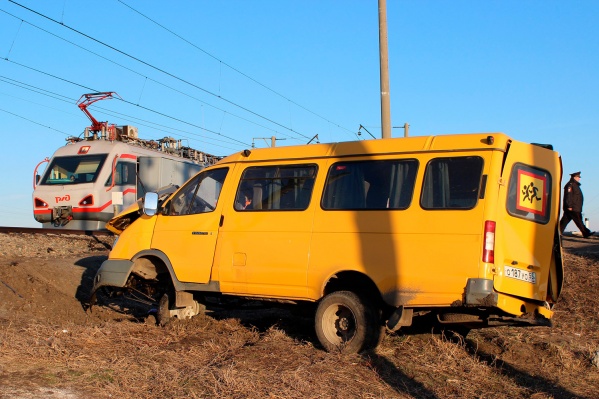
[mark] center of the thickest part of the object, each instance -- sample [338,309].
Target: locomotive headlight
[40,203]
[87,201]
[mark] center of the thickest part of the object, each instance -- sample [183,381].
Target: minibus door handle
[222,219]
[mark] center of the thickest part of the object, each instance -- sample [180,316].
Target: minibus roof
[450,142]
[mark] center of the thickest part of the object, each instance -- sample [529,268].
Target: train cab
[91,179]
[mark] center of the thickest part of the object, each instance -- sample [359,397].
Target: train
[92,178]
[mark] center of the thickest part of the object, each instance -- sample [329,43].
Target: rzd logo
[65,198]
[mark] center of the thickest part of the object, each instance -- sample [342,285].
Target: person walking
[573,206]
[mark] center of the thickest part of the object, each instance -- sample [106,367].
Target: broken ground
[50,347]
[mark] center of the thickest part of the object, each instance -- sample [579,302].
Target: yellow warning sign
[532,196]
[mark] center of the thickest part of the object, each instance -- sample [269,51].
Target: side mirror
[151,204]
[37,179]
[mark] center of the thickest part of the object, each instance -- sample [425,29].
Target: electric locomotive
[92,178]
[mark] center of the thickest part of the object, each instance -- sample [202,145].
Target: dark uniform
[573,206]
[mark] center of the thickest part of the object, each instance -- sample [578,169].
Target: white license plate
[519,274]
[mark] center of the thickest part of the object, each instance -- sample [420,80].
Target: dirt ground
[52,346]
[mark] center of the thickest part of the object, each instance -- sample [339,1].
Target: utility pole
[384,60]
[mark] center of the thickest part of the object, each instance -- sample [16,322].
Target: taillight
[87,201]
[40,204]
[489,243]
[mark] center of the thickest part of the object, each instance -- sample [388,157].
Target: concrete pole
[384,60]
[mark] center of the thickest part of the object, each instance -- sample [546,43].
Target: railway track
[36,230]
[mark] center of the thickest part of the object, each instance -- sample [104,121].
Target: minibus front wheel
[346,323]
[163,315]
[179,305]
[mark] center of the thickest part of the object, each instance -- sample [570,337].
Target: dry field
[52,347]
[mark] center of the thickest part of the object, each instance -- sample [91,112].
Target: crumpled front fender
[113,273]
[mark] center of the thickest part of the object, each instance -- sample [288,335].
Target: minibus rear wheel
[346,323]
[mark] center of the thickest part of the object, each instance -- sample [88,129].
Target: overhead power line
[160,70]
[35,89]
[233,68]
[32,121]
[140,74]
[138,121]
[128,102]
[143,122]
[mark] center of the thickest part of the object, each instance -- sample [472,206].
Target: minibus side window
[452,183]
[370,185]
[275,188]
[199,195]
[529,193]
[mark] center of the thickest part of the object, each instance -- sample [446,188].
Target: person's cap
[575,174]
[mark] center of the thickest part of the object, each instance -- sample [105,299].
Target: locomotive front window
[74,170]
[125,174]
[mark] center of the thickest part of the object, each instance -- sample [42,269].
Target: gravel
[51,245]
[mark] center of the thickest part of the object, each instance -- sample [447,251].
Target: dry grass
[270,354]
[196,359]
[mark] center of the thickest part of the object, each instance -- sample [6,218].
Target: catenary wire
[146,77]
[66,99]
[235,69]
[138,121]
[109,112]
[128,102]
[32,121]
[162,70]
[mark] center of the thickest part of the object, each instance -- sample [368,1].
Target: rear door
[528,210]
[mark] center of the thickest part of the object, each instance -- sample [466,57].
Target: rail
[35,230]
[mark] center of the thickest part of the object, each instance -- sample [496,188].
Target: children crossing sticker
[532,195]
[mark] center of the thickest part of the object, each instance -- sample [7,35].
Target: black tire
[346,323]
[163,315]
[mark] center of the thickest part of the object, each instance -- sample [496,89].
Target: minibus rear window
[370,185]
[529,193]
[452,183]
[275,188]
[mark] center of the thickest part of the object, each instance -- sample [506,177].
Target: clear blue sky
[246,70]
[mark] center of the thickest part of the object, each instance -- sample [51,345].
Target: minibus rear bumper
[480,292]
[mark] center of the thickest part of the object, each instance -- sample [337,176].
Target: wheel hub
[343,324]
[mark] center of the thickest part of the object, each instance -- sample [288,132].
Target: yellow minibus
[374,233]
